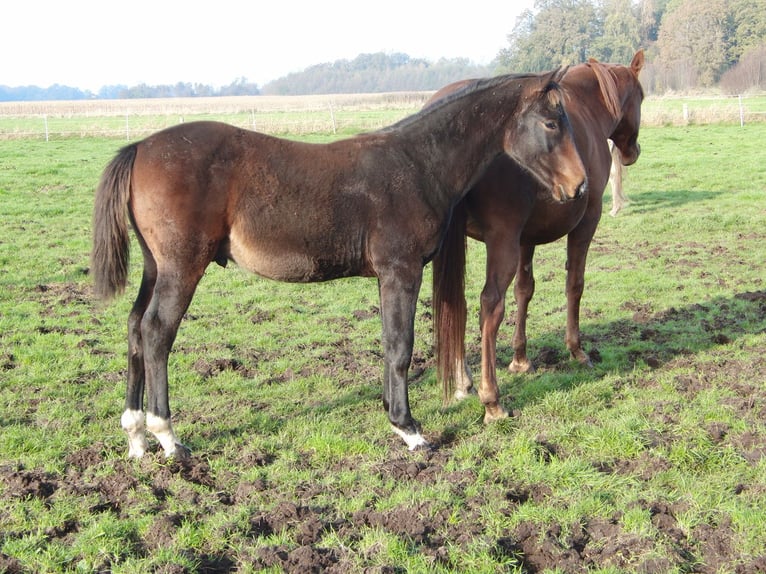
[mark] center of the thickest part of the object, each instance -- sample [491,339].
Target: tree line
[367,73]
[689,44]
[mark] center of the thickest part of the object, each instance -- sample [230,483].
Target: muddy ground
[598,543]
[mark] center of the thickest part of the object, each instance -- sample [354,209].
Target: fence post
[332,118]
[741,112]
[127,126]
[45,121]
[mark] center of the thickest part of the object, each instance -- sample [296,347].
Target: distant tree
[621,35]
[111,92]
[650,14]
[374,73]
[749,73]
[692,43]
[558,32]
[240,87]
[748,27]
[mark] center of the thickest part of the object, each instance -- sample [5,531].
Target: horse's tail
[449,301]
[111,245]
[619,199]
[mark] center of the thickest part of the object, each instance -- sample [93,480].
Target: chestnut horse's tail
[619,199]
[449,307]
[111,245]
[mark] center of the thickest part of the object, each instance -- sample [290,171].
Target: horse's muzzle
[562,194]
[582,189]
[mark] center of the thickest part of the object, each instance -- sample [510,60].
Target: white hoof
[413,440]
[133,423]
[163,431]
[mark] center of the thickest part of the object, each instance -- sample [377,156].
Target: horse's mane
[471,87]
[606,81]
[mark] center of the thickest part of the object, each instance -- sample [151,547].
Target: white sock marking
[163,431]
[413,440]
[133,423]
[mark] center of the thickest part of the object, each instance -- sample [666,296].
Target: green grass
[276,387]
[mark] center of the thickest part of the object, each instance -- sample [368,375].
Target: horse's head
[625,135]
[542,142]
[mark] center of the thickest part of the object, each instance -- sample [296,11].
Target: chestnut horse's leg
[524,290]
[133,418]
[502,257]
[398,302]
[578,242]
[173,292]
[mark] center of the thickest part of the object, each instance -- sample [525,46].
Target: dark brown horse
[376,205]
[511,214]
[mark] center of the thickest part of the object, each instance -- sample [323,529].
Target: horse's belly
[284,262]
[550,222]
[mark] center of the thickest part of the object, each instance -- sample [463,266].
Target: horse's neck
[456,142]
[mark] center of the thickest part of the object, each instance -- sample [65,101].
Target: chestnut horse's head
[625,135]
[542,140]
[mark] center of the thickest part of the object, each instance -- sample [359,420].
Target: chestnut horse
[375,205]
[511,214]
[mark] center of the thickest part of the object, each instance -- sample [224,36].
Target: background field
[337,114]
[652,461]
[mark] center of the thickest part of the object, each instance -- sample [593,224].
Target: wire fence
[133,119]
[302,115]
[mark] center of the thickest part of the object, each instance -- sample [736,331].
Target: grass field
[652,461]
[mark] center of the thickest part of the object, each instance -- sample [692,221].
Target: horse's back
[209,191]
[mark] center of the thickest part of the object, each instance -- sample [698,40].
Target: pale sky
[89,44]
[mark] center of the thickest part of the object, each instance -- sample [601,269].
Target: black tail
[449,301]
[111,245]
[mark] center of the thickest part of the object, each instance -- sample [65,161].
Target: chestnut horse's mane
[607,82]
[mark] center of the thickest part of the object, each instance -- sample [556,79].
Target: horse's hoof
[495,413]
[521,367]
[582,357]
[413,439]
[180,452]
[462,394]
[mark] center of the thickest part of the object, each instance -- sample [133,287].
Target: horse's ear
[637,63]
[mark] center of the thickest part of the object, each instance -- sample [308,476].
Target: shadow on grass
[650,201]
[647,340]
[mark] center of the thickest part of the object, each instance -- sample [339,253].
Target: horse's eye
[551,125]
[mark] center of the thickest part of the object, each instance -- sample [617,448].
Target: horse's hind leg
[133,418]
[173,292]
[398,301]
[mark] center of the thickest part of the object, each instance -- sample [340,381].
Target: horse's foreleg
[133,420]
[172,294]
[524,290]
[398,301]
[577,251]
[501,264]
